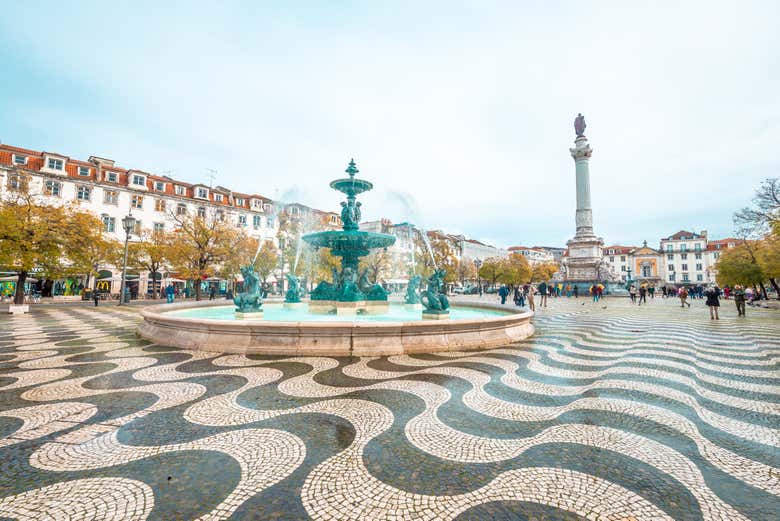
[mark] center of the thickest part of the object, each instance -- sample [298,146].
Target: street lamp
[128,223]
[478,264]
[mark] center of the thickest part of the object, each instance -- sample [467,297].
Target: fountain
[346,315]
[349,292]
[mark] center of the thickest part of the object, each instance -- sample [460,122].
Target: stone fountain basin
[312,338]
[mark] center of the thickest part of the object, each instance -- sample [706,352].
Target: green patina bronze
[293,294]
[348,285]
[412,296]
[251,299]
[433,299]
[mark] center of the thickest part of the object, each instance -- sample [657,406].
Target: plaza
[610,411]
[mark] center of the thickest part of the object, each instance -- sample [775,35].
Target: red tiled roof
[682,234]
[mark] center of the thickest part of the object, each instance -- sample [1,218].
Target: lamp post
[478,264]
[127,223]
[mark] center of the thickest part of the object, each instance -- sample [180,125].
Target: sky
[460,113]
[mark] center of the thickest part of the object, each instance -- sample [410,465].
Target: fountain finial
[352,168]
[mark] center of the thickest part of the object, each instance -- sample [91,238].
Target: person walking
[599,292]
[642,294]
[713,301]
[576,291]
[594,294]
[632,293]
[651,290]
[96,296]
[543,294]
[531,291]
[503,292]
[739,299]
[169,292]
[212,292]
[568,290]
[683,294]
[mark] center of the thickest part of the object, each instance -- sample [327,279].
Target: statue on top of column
[579,125]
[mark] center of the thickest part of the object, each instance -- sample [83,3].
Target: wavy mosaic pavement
[608,412]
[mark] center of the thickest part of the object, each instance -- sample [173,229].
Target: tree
[92,250]
[544,271]
[515,270]
[267,260]
[241,254]
[491,270]
[37,235]
[759,219]
[768,257]
[323,264]
[377,263]
[738,266]
[150,254]
[198,245]
[466,270]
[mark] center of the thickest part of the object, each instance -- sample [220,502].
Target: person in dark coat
[713,301]
[739,299]
[503,292]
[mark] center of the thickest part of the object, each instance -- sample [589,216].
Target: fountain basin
[368,335]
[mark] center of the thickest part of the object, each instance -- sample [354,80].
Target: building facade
[534,255]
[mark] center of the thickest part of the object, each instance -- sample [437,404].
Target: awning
[16,278]
[173,280]
[119,278]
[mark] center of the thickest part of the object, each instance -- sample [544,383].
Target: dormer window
[55,164]
[138,180]
[201,193]
[20,160]
[159,186]
[83,171]
[218,198]
[112,177]
[181,190]
[257,203]
[239,201]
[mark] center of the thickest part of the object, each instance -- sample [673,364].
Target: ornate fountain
[349,291]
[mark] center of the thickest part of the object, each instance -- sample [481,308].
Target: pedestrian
[594,294]
[739,299]
[576,291]
[726,292]
[212,292]
[713,301]
[503,292]
[642,294]
[651,290]
[543,294]
[531,291]
[96,297]
[516,295]
[169,293]
[568,290]
[632,293]
[599,292]
[683,294]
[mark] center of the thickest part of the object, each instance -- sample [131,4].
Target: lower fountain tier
[338,307]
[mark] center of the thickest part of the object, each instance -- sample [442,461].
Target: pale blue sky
[467,105]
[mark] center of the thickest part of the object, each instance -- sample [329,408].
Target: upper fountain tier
[349,185]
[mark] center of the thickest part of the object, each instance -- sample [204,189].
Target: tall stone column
[584,214]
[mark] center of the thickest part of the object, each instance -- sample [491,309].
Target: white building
[111,192]
[534,255]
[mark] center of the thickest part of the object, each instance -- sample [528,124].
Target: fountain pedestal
[293,305]
[251,315]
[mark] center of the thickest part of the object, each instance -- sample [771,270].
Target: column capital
[582,150]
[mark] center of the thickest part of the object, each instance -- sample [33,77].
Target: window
[611,258]
[697,246]
[685,277]
[257,221]
[698,256]
[684,256]
[17,182]
[84,171]
[671,277]
[159,227]
[622,268]
[55,164]
[700,277]
[242,220]
[218,198]
[111,197]
[181,209]
[294,210]
[270,222]
[202,193]
[20,160]
[220,216]
[53,188]
[256,203]
[139,180]
[670,256]
[137,227]
[137,201]
[201,211]
[622,258]
[83,193]
[684,267]
[671,267]
[180,190]
[698,267]
[159,205]
[112,177]
[109,224]
[715,255]
[239,202]
[669,247]
[683,247]
[159,186]
[646,271]
[611,251]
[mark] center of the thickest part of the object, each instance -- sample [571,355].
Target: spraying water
[297,253]
[424,235]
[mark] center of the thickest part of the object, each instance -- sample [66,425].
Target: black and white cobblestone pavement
[609,412]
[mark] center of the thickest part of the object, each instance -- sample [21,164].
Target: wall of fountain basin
[332,338]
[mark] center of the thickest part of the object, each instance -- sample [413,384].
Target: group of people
[641,293]
[712,295]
